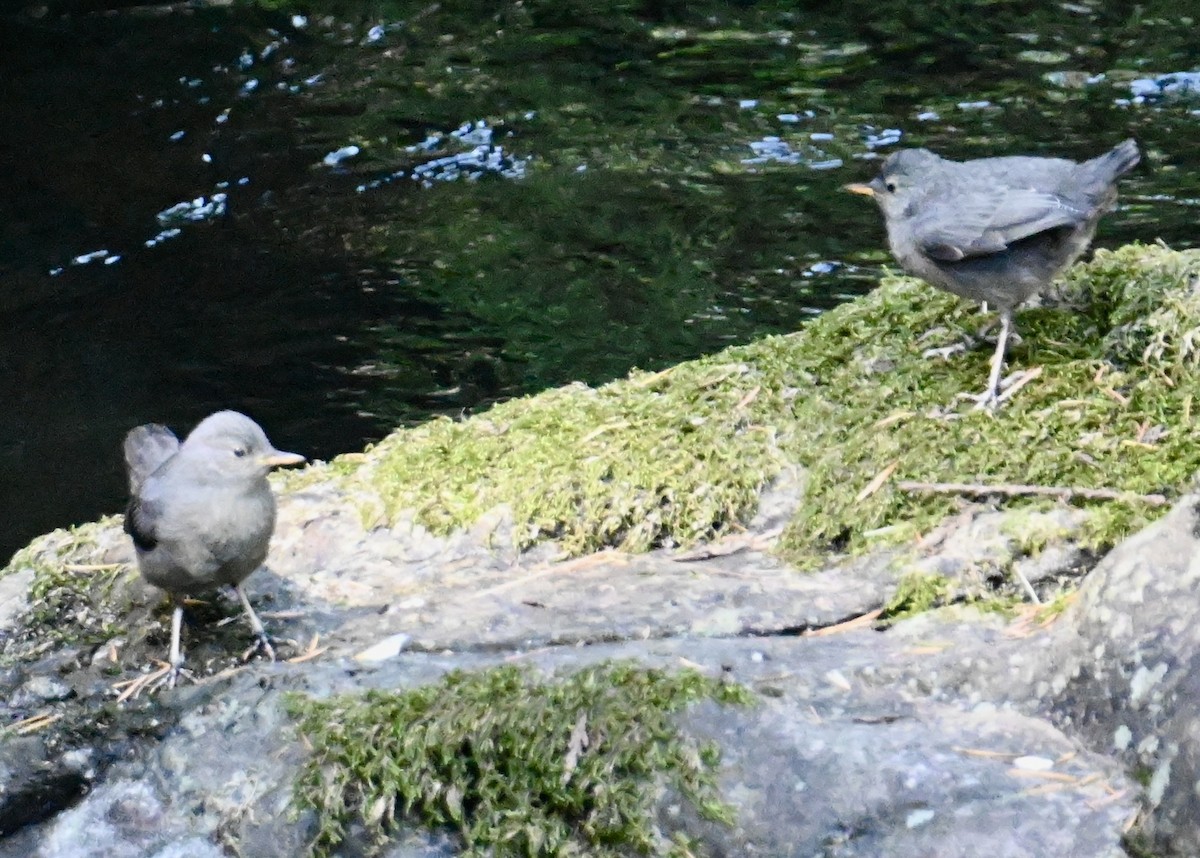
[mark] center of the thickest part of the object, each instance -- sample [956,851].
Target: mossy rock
[681,456]
[515,763]
[75,594]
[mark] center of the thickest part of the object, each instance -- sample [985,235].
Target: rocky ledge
[832,613]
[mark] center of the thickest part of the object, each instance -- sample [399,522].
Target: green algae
[680,456]
[514,763]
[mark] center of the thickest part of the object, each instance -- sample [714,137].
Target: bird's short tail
[146,448]
[1116,162]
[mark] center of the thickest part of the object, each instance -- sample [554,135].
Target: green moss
[681,455]
[1051,610]
[1032,530]
[1076,425]
[72,597]
[916,593]
[1138,844]
[1006,606]
[497,756]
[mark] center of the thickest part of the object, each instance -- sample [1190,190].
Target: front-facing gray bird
[201,513]
[995,230]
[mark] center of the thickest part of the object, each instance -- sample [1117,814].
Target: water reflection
[341,227]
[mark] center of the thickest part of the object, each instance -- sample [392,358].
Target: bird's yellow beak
[277,457]
[859,188]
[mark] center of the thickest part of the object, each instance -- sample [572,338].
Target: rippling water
[339,226]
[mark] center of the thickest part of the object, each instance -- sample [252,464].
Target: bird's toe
[944,352]
[166,674]
[263,643]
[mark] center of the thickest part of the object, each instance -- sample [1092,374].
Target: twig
[597,432]
[312,652]
[1033,596]
[32,724]
[848,626]
[576,745]
[876,482]
[1017,490]
[748,398]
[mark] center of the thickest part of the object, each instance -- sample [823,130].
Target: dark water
[657,181]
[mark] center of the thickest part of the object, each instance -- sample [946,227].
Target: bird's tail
[146,448]
[1116,162]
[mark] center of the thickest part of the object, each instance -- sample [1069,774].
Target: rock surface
[954,732]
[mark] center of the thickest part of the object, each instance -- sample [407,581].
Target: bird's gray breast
[206,536]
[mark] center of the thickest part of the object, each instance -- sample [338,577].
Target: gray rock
[34,785]
[872,780]
[14,596]
[122,819]
[1123,670]
[948,733]
[37,690]
[833,755]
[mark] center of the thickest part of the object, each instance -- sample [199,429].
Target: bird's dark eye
[891,187]
[240,452]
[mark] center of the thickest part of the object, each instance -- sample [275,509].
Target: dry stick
[1016,490]
[1033,596]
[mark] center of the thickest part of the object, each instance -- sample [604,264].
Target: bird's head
[235,446]
[899,180]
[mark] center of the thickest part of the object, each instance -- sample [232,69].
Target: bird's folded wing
[140,523]
[987,222]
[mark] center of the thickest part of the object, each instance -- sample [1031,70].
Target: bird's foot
[967,343]
[945,352]
[984,333]
[167,674]
[985,330]
[995,396]
[989,400]
[266,644]
[263,644]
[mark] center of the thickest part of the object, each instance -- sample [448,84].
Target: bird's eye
[240,452]
[891,187]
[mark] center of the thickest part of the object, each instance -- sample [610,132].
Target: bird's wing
[141,518]
[146,448]
[984,222]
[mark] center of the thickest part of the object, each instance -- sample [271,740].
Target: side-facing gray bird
[995,230]
[201,513]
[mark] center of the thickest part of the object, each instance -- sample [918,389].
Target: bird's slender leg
[260,632]
[169,672]
[991,396]
[176,657]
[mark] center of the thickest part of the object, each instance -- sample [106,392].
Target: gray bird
[996,230]
[201,513]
